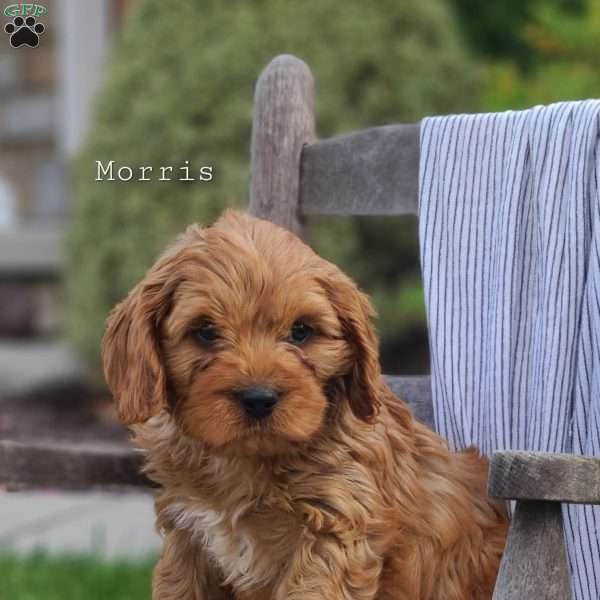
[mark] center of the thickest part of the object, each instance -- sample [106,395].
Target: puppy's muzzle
[257,402]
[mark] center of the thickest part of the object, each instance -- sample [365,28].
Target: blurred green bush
[563,61]
[495,29]
[179,87]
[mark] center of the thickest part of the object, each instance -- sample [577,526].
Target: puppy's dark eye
[299,333]
[206,333]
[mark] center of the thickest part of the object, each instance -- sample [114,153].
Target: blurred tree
[179,87]
[494,29]
[564,52]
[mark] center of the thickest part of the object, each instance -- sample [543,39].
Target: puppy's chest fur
[251,537]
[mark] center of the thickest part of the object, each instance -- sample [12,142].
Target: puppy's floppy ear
[355,311]
[131,355]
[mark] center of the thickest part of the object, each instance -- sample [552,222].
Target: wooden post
[283,123]
[534,564]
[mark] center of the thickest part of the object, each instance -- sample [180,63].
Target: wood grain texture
[283,123]
[69,466]
[369,172]
[534,564]
[416,392]
[553,477]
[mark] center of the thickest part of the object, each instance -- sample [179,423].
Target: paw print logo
[24,32]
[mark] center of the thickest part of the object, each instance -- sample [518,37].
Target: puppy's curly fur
[338,494]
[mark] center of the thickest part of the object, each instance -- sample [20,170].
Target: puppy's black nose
[258,402]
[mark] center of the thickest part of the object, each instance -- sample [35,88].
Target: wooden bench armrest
[561,478]
[69,466]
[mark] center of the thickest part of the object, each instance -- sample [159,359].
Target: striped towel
[510,249]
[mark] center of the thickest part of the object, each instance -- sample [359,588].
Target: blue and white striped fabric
[510,249]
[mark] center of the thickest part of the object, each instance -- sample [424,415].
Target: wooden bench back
[293,174]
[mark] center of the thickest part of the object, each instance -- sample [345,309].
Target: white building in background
[85,30]
[46,95]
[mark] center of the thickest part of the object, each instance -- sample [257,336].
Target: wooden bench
[370,172]
[375,172]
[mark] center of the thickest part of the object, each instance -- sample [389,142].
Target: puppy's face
[241,331]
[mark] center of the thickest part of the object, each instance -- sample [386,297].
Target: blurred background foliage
[179,87]
[495,30]
[562,45]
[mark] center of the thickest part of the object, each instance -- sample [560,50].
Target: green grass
[39,577]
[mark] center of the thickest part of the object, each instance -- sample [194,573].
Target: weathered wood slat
[370,172]
[416,392]
[554,477]
[534,564]
[283,123]
[69,466]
